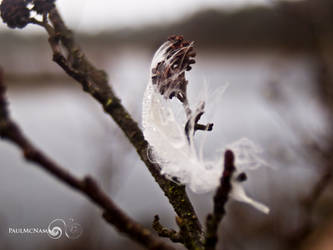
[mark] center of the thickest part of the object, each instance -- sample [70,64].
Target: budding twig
[220,200]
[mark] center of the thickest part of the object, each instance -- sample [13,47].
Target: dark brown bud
[15,13]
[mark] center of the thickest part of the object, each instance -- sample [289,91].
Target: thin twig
[10,131]
[220,200]
[166,232]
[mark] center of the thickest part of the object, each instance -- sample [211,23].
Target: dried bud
[43,6]
[241,177]
[15,13]
[169,73]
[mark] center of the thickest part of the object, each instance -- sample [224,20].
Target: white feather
[173,150]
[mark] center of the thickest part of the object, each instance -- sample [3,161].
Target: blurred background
[276,57]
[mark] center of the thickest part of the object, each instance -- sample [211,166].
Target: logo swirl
[73,230]
[56,228]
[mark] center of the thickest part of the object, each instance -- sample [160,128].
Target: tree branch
[68,55]
[220,200]
[94,82]
[88,187]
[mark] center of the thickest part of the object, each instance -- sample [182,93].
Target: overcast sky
[114,14]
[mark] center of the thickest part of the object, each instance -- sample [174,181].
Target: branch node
[166,232]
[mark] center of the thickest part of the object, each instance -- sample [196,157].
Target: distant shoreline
[289,27]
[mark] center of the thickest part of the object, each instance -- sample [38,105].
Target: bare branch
[220,200]
[68,55]
[94,82]
[88,187]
